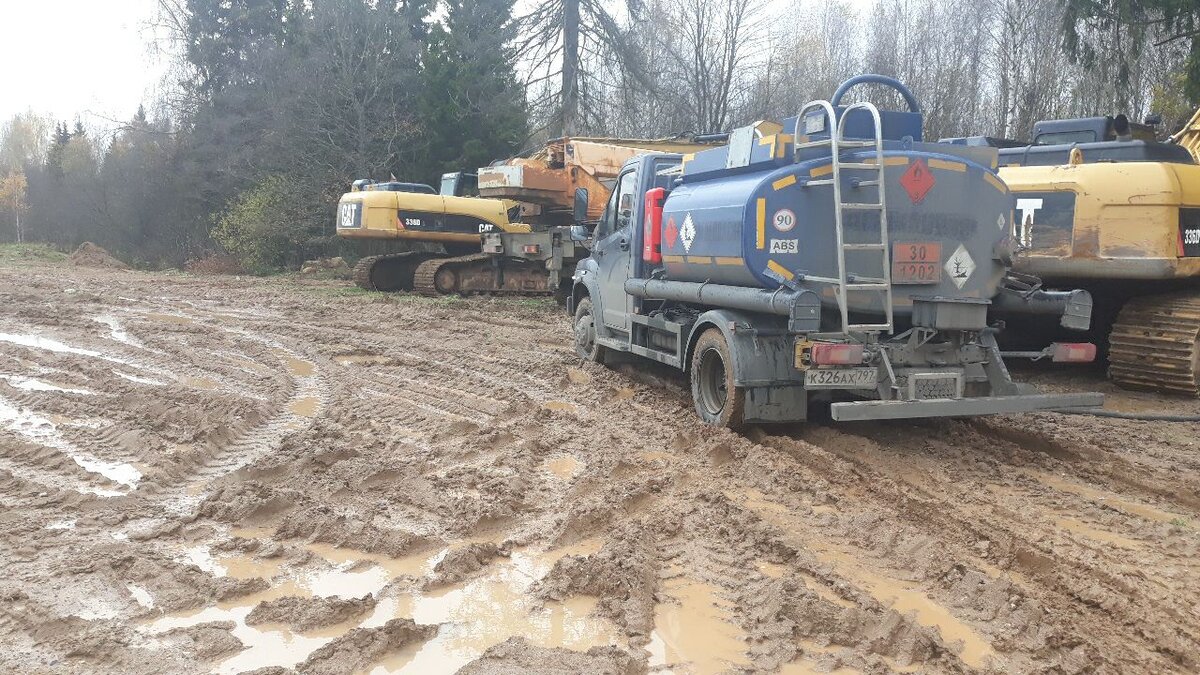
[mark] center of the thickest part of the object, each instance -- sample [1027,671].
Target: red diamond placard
[672,232]
[917,181]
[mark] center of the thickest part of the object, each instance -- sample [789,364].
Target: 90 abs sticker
[784,220]
[785,246]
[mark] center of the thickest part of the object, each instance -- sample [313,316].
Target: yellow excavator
[505,229]
[1101,205]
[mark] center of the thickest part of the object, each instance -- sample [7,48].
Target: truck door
[614,237]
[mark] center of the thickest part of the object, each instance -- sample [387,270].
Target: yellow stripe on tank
[995,182]
[890,161]
[783,182]
[780,270]
[723,260]
[944,164]
[698,259]
[761,237]
[672,258]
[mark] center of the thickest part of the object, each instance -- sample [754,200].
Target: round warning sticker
[784,220]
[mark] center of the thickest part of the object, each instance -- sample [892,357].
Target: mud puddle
[695,631]
[177,319]
[38,342]
[297,367]
[473,615]
[305,406]
[116,330]
[361,360]
[560,406]
[41,430]
[564,467]
[34,384]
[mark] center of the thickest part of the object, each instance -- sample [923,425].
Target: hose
[1147,417]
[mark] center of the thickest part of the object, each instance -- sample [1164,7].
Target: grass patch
[30,253]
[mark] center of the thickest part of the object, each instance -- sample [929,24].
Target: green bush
[266,228]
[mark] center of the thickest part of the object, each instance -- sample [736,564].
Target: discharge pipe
[1075,307]
[779,302]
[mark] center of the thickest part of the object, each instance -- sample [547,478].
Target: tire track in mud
[812,546]
[1091,585]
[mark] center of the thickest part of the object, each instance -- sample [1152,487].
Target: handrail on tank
[833,127]
[886,81]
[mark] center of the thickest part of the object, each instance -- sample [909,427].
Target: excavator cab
[460,184]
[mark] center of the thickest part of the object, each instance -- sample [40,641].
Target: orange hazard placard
[916,262]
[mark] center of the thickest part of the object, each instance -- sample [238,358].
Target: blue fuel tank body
[752,219]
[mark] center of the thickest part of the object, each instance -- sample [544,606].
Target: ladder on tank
[848,282]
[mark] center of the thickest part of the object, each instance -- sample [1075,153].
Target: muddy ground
[221,474]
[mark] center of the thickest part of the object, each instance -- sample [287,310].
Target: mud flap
[776,404]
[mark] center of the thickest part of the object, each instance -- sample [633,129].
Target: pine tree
[58,146]
[474,108]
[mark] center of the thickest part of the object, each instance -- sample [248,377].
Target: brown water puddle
[623,394]
[696,631]
[252,366]
[474,615]
[577,376]
[565,466]
[903,596]
[561,406]
[1095,534]
[200,383]
[361,359]
[305,406]
[296,366]
[770,570]
[177,319]
[1104,497]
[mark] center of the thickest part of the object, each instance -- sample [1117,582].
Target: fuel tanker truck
[833,257]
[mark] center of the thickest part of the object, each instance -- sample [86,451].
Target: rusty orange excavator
[505,229]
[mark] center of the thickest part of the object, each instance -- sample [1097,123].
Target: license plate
[841,378]
[917,262]
[923,386]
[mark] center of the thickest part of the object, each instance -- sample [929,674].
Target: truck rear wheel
[585,333]
[718,400]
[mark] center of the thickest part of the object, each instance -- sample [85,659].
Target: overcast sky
[68,58]
[91,59]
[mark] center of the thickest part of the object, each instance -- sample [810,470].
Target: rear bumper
[962,407]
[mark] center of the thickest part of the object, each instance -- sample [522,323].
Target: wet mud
[215,474]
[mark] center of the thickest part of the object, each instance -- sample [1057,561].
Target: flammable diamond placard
[917,181]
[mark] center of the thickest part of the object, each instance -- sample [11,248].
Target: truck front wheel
[585,333]
[718,401]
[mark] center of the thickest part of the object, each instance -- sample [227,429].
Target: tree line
[275,106]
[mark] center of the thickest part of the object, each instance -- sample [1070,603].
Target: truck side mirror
[581,205]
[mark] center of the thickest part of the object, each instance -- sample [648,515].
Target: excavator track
[1155,344]
[480,274]
[390,272]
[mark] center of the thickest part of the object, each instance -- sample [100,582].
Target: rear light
[532,249]
[1073,352]
[831,354]
[652,225]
